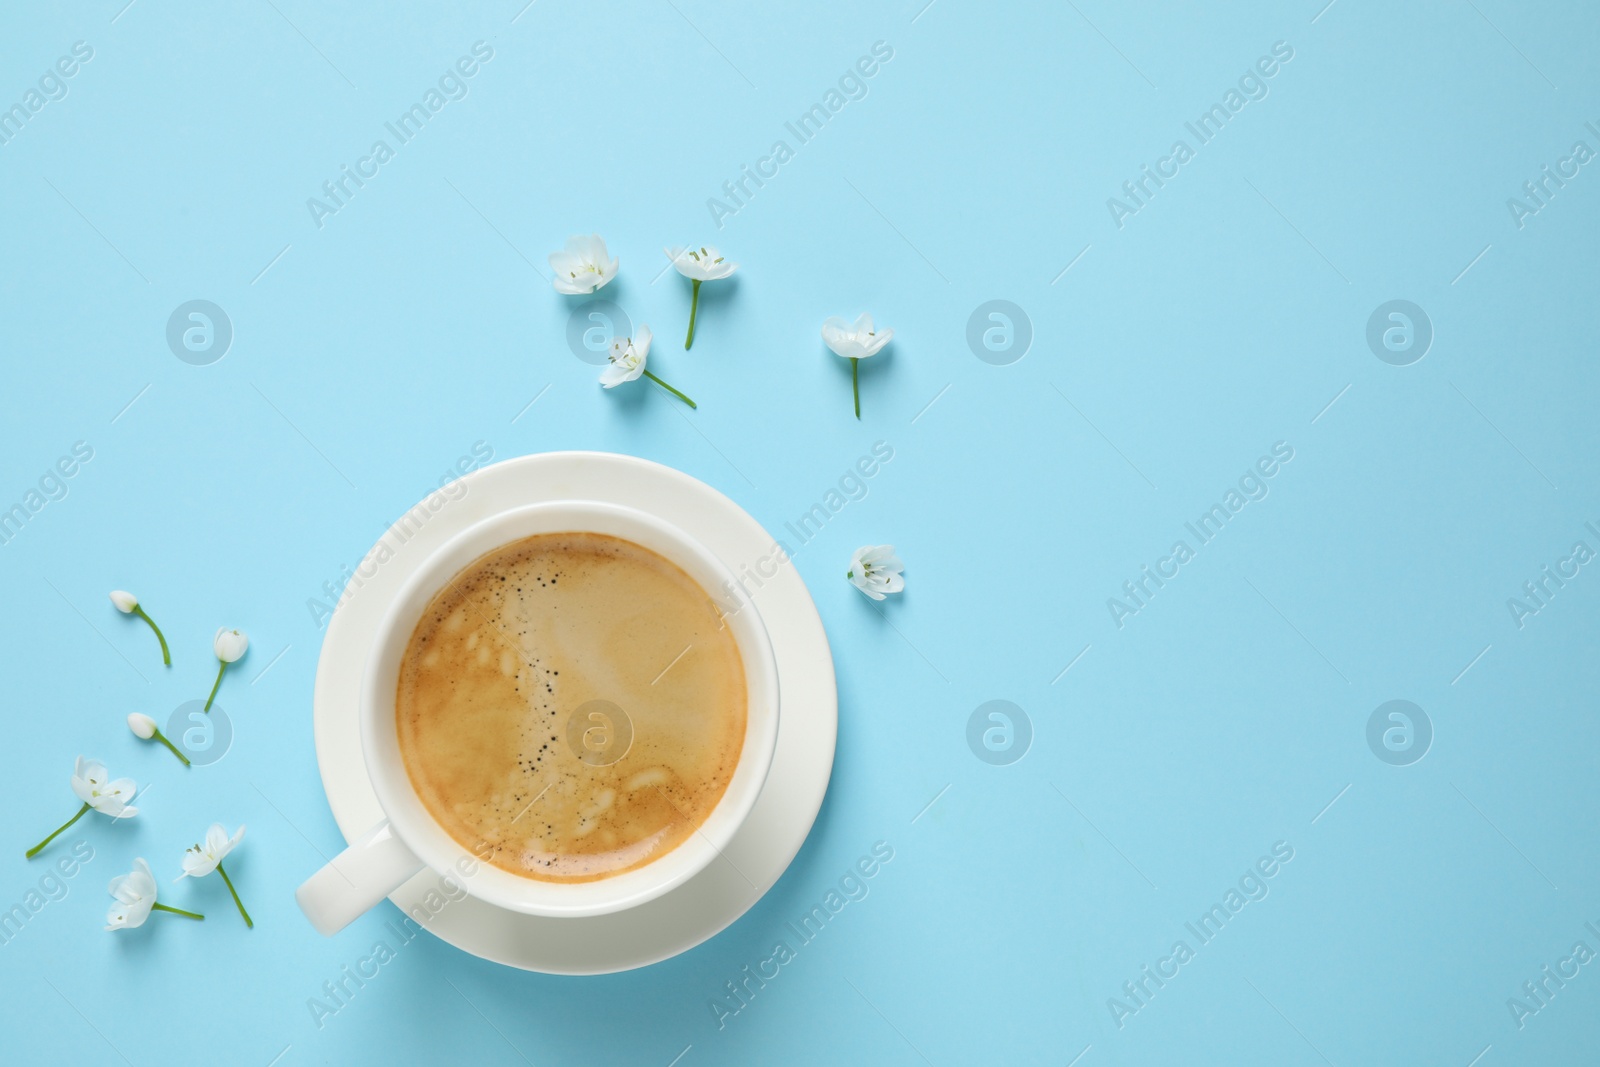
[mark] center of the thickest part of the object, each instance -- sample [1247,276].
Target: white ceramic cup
[409,841]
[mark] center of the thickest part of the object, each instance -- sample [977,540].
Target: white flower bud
[124,600]
[229,644]
[143,726]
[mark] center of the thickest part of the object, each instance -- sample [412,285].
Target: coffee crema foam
[513,647]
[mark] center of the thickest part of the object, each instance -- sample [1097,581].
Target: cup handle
[375,865]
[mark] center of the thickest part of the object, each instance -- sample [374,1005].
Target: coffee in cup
[570,706]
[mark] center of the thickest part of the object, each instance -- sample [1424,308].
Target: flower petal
[142,870]
[622,370]
[589,249]
[836,335]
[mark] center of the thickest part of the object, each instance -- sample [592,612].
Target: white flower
[854,342]
[124,600]
[201,860]
[703,264]
[876,570]
[583,266]
[135,894]
[628,355]
[92,784]
[229,645]
[627,359]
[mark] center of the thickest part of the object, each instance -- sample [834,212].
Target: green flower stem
[178,911]
[671,390]
[36,849]
[855,383]
[222,665]
[159,736]
[237,902]
[166,657]
[694,306]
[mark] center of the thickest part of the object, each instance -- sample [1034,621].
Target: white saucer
[763,847]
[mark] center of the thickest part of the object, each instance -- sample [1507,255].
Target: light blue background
[1223,317]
